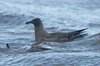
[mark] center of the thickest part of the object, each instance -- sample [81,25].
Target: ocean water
[57,16]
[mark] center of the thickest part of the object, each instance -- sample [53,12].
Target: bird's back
[56,37]
[64,37]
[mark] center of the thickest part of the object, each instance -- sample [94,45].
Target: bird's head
[36,22]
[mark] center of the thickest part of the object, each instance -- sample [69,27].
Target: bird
[41,35]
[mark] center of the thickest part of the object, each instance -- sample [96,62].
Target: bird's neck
[39,32]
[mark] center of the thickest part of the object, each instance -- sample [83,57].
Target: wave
[29,8]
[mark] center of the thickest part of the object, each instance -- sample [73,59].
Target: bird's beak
[28,22]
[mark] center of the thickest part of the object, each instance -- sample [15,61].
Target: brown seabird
[41,35]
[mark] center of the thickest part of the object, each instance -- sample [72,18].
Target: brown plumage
[41,35]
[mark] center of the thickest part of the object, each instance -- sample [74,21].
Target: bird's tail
[77,34]
[7,45]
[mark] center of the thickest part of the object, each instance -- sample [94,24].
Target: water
[57,16]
